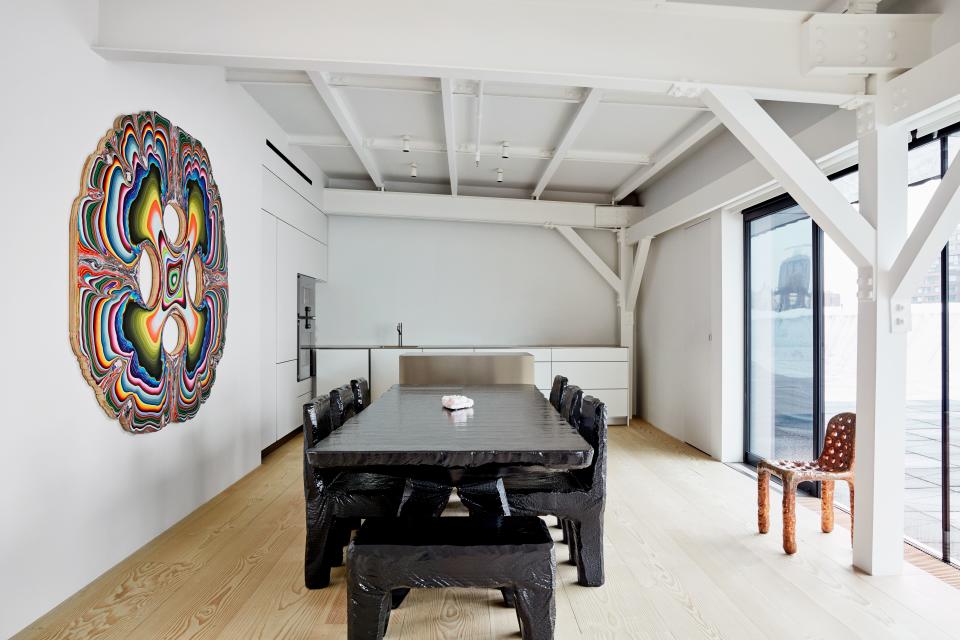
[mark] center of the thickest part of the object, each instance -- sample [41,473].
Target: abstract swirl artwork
[148,307]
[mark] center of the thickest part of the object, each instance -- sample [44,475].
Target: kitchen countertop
[464,346]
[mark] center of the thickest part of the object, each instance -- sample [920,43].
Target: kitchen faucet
[399,334]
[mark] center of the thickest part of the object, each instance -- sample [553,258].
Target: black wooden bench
[514,554]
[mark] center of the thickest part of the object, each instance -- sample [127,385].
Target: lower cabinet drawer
[541,375]
[617,401]
[595,375]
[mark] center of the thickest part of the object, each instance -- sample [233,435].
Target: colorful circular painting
[149,284]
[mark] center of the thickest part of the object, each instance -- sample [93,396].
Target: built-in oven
[306,303]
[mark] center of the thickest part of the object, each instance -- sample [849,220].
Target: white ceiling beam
[341,113]
[831,141]
[427,146]
[431,86]
[933,230]
[580,119]
[798,174]
[449,131]
[591,256]
[657,43]
[428,206]
[636,276]
[677,146]
[918,95]
[848,44]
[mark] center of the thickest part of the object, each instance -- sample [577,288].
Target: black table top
[510,424]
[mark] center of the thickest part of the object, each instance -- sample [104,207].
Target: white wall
[79,494]
[462,283]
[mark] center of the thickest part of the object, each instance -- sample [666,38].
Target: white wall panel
[122,490]
[462,283]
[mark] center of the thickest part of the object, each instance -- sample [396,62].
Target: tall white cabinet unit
[294,241]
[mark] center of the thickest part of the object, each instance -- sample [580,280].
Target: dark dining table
[510,426]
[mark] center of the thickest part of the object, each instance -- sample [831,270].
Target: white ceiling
[624,133]
[617,139]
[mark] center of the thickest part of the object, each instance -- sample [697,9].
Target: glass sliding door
[801,335]
[839,340]
[781,263]
[927,504]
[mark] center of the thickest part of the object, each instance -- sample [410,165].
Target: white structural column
[627,321]
[631,274]
[881,355]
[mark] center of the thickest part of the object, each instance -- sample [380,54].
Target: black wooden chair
[336,500]
[343,406]
[571,399]
[556,391]
[511,554]
[577,497]
[361,393]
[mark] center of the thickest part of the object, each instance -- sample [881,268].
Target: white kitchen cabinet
[603,372]
[385,369]
[541,375]
[293,234]
[594,375]
[289,394]
[284,202]
[540,354]
[590,354]
[617,401]
[336,367]
[297,253]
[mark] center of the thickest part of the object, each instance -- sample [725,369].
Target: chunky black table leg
[588,536]
[571,541]
[368,611]
[509,596]
[397,596]
[563,526]
[536,612]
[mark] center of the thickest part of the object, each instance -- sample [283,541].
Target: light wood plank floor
[683,561]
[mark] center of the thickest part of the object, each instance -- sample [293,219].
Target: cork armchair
[835,463]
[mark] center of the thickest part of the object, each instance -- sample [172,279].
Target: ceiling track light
[413,169]
[504,149]
[406,144]
[499,175]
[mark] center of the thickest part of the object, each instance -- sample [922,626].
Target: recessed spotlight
[406,144]
[499,175]
[504,149]
[413,169]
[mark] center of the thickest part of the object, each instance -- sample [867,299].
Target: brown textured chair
[835,463]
